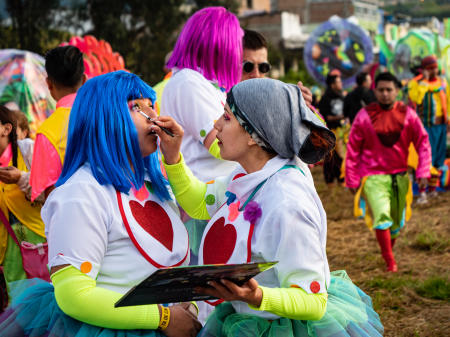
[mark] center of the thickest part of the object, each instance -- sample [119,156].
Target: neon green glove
[78,297]
[293,303]
[214,149]
[189,191]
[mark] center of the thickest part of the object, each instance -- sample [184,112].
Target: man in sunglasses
[256,64]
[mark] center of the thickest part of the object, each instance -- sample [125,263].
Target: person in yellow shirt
[15,190]
[65,75]
[430,94]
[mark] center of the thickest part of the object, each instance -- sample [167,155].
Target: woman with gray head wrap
[268,210]
[275,113]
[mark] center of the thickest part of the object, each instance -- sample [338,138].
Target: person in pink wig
[206,62]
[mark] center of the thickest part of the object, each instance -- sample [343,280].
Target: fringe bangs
[102,133]
[211,42]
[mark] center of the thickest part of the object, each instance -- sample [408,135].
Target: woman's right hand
[170,146]
[182,322]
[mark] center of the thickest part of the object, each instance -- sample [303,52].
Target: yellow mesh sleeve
[188,190]
[78,296]
[293,303]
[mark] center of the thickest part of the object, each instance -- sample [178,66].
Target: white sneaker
[433,194]
[422,199]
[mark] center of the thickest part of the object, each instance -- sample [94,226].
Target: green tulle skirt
[349,313]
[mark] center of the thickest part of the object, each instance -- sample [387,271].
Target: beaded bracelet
[165,318]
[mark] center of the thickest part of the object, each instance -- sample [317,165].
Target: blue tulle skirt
[349,313]
[35,313]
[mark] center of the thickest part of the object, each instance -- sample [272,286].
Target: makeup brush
[151,120]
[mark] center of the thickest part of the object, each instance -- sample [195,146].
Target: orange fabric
[168,75]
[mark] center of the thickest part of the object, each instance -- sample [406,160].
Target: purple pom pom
[252,212]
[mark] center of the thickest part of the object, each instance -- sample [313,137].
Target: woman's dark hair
[65,66]
[7,116]
[22,122]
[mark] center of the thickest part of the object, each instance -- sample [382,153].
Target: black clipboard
[172,285]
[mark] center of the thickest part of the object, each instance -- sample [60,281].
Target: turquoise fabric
[34,312]
[349,313]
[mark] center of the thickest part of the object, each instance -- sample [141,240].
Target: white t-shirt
[85,227]
[196,103]
[292,228]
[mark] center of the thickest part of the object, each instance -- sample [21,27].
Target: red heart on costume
[154,220]
[219,242]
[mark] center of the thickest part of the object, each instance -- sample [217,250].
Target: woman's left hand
[249,292]
[10,175]
[170,146]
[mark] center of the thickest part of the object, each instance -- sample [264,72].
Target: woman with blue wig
[110,223]
[267,210]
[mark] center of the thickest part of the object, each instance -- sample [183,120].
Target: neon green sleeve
[293,303]
[78,297]
[214,149]
[188,190]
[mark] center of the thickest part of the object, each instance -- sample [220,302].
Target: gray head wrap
[276,114]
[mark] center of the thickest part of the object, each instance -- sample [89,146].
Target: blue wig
[102,133]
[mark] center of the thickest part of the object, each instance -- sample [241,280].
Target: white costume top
[196,103]
[115,238]
[291,230]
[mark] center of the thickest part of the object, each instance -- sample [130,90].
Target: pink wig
[211,42]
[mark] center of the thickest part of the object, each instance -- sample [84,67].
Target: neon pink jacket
[366,155]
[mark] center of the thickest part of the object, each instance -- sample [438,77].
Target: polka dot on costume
[86,267]
[202,133]
[314,286]
[210,199]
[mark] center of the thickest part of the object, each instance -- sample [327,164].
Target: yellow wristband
[165,318]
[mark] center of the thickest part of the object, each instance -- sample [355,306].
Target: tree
[31,20]
[143,32]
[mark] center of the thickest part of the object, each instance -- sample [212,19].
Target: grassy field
[415,301]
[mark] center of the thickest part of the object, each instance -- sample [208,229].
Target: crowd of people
[212,167]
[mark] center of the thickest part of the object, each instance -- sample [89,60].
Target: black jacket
[356,100]
[331,104]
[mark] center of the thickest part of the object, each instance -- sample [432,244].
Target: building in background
[287,23]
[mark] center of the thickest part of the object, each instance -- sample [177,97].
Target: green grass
[390,291]
[390,283]
[435,287]
[429,240]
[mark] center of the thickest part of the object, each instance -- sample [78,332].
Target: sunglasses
[262,67]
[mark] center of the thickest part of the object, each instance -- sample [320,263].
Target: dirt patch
[422,252]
